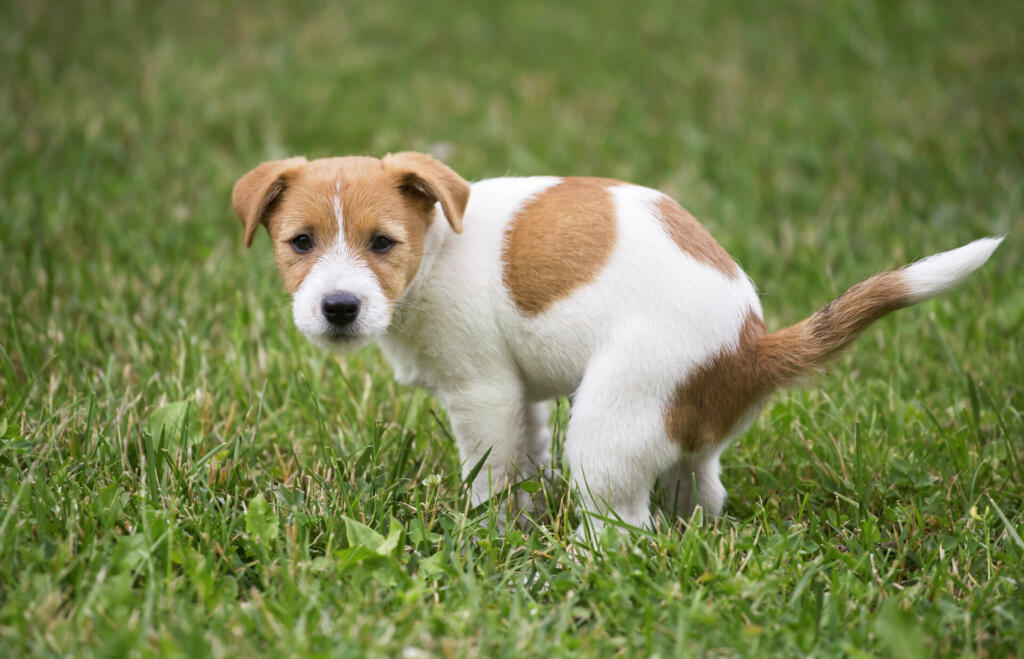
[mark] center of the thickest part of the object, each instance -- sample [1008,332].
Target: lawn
[182,474]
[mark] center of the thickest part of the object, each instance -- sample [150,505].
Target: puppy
[501,295]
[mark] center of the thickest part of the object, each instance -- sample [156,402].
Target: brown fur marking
[558,241]
[693,238]
[255,194]
[302,209]
[711,401]
[430,181]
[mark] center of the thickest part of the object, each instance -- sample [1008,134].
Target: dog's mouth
[342,340]
[340,336]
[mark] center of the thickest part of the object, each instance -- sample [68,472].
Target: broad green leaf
[433,566]
[178,422]
[260,520]
[530,486]
[361,535]
[131,550]
[389,546]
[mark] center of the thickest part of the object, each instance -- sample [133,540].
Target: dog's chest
[401,354]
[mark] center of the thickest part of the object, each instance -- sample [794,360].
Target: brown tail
[788,354]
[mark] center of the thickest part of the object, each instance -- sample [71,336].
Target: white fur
[619,344]
[940,272]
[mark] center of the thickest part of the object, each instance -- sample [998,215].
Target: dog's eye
[302,243]
[381,244]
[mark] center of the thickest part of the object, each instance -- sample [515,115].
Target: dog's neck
[398,343]
[433,242]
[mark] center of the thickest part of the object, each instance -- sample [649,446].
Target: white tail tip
[940,272]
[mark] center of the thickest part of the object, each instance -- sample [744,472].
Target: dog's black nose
[340,308]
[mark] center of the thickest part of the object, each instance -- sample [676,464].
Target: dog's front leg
[489,420]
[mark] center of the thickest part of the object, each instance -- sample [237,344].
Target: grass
[310,506]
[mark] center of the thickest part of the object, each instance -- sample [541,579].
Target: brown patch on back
[693,238]
[711,401]
[558,241]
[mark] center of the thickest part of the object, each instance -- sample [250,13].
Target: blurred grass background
[879,512]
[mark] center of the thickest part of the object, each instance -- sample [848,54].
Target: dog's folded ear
[256,193]
[428,180]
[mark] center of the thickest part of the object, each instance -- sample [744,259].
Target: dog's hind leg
[535,459]
[617,444]
[537,455]
[693,481]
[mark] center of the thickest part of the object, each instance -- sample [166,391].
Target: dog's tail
[788,354]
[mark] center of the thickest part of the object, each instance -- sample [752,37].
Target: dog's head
[348,234]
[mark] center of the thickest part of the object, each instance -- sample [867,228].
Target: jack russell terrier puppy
[501,295]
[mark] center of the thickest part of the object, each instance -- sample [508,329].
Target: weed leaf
[260,520]
[178,423]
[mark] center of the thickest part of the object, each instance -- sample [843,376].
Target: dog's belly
[549,365]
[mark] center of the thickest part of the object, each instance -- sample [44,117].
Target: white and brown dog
[500,295]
